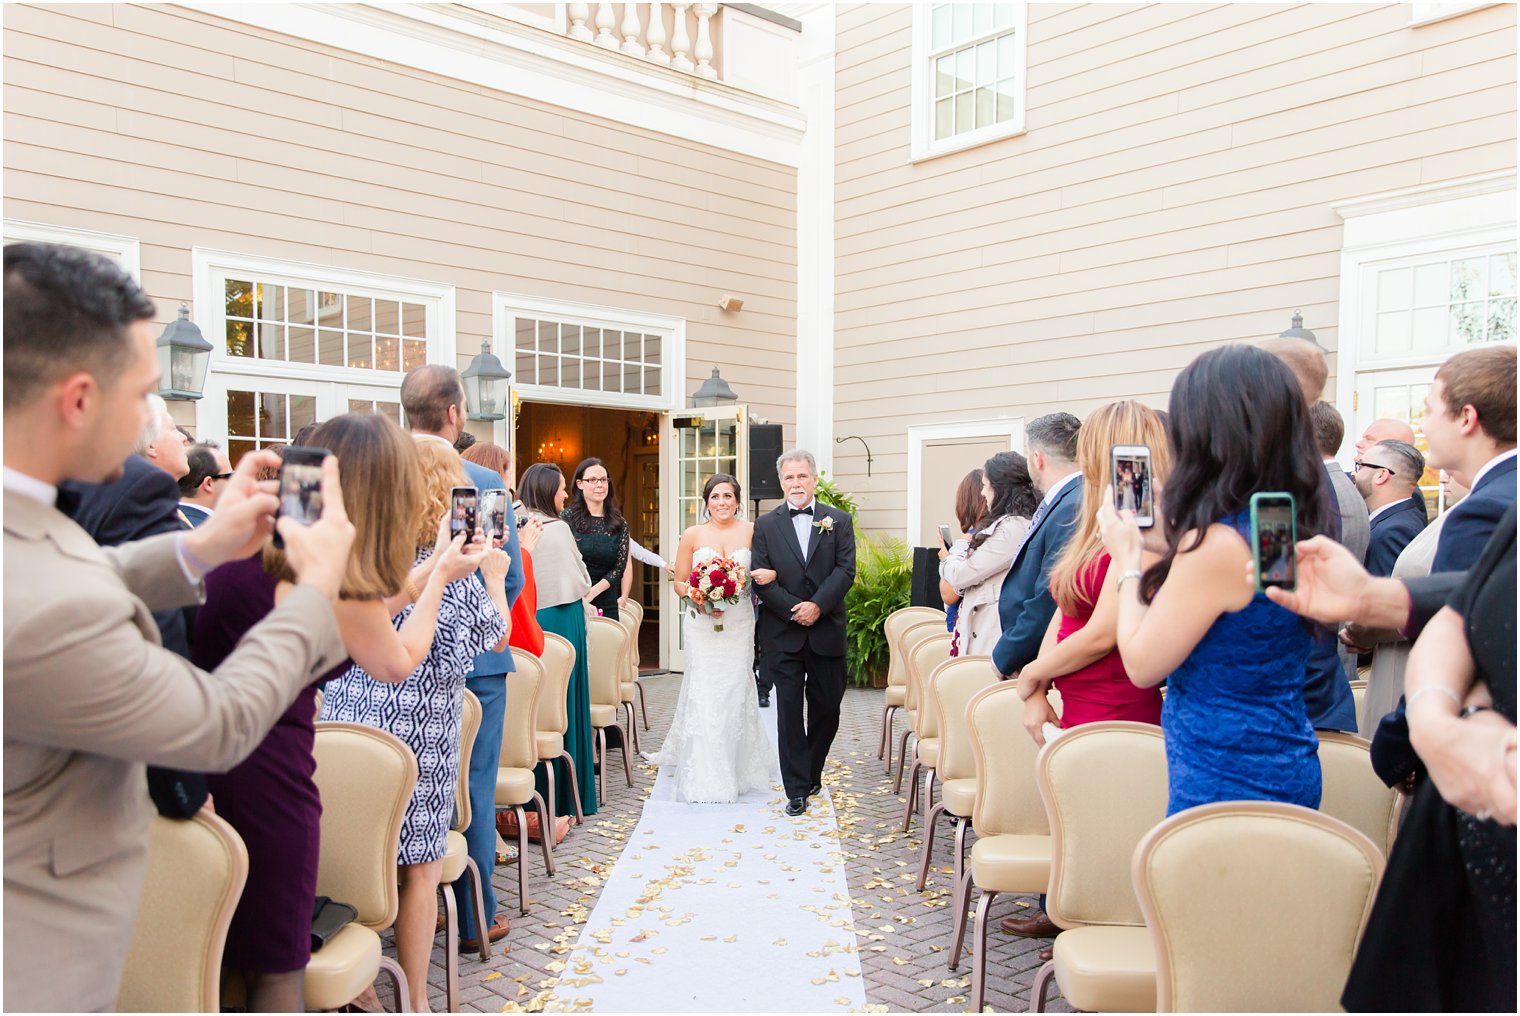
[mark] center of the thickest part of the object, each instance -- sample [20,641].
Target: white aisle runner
[726,908]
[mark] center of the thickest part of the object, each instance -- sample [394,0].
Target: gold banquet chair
[1012,850]
[907,642]
[514,772]
[1224,889]
[1353,792]
[457,862]
[366,778]
[196,871]
[628,676]
[924,657]
[952,686]
[606,646]
[897,622]
[632,618]
[1104,786]
[553,723]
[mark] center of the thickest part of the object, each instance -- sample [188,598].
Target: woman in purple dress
[271,798]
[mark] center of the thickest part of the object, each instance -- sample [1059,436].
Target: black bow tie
[68,501]
[800,511]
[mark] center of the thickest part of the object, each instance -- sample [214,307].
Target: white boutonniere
[824,525]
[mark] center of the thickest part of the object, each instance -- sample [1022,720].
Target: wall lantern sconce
[714,392]
[183,357]
[485,385]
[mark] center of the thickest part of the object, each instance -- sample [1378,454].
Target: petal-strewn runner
[727,908]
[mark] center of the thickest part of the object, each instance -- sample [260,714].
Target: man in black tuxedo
[811,548]
[1386,473]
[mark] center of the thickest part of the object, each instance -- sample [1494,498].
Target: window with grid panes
[260,419]
[291,324]
[1438,305]
[971,59]
[563,354]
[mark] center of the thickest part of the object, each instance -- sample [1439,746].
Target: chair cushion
[513,787]
[604,716]
[456,852]
[1107,968]
[897,694]
[1011,864]
[550,744]
[344,967]
[959,796]
[928,753]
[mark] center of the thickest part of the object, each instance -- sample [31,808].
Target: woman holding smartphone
[1079,654]
[974,569]
[271,797]
[1234,716]
[562,586]
[426,709]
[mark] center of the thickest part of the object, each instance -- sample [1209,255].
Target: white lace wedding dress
[717,743]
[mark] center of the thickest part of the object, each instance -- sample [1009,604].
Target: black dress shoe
[815,790]
[765,700]
[796,806]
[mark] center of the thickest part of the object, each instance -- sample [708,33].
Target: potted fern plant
[883,577]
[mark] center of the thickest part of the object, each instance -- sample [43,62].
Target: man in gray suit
[1329,431]
[90,695]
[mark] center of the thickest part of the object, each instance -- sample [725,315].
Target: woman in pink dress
[1079,655]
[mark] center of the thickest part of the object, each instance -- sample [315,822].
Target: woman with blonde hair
[1080,653]
[426,709]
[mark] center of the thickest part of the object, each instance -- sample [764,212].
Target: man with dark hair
[1385,475]
[90,695]
[433,398]
[202,485]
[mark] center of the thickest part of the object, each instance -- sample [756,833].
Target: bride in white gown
[717,744]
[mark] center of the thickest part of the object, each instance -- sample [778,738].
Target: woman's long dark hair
[1012,492]
[577,512]
[1237,424]
[537,487]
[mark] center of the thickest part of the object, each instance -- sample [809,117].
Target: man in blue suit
[200,488]
[1470,427]
[434,401]
[1386,473]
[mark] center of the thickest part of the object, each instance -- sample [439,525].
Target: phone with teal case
[1274,534]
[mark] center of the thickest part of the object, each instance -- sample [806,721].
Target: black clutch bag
[328,917]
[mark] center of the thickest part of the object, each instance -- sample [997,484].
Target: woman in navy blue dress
[1234,662]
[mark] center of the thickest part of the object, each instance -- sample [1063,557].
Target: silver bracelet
[1433,689]
[1133,573]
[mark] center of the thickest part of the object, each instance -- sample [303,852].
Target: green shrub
[829,493]
[883,577]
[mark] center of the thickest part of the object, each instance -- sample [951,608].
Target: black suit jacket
[824,578]
[143,503]
[1391,532]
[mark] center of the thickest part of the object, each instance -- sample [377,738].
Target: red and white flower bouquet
[715,585]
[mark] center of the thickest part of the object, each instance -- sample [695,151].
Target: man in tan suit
[90,695]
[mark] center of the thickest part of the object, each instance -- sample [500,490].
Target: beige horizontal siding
[183,129]
[1174,190]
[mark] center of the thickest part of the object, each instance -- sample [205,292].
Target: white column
[579,13]
[655,34]
[815,242]
[605,20]
[704,50]
[680,41]
[630,30]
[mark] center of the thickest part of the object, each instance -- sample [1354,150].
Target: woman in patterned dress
[425,711]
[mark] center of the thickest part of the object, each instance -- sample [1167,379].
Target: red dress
[1101,690]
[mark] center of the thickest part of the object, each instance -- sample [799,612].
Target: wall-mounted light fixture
[852,437]
[732,303]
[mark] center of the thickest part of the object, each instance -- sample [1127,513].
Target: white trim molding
[1010,426]
[506,307]
[520,60]
[1429,13]
[127,250]
[815,240]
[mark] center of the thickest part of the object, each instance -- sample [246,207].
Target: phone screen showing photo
[463,505]
[1133,490]
[1274,544]
[300,486]
[493,513]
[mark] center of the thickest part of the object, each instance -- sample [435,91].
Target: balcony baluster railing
[643,30]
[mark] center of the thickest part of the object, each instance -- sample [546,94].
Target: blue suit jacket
[194,513]
[1391,532]
[1025,605]
[485,479]
[1469,525]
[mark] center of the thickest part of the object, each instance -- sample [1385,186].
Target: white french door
[247,412]
[1397,395]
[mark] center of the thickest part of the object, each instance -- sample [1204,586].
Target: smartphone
[944,535]
[464,503]
[300,486]
[1133,490]
[493,513]
[1274,532]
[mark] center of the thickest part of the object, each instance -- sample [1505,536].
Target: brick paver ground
[903,936]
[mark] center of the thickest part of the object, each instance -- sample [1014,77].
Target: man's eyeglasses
[1358,464]
[221,476]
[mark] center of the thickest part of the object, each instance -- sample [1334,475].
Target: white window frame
[1422,221]
[923,144]
[1430,13]
[507,307]
[127,250]
[210,271]
[919,435]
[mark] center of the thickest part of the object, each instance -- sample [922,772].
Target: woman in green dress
[601,533]
[562,588]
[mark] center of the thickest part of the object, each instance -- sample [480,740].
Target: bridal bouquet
[715,585]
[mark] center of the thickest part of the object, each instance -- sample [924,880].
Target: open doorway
[628,441]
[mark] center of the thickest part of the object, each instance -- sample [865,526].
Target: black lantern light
[485,385]
[714,392]
[183,356]
[1298,331]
